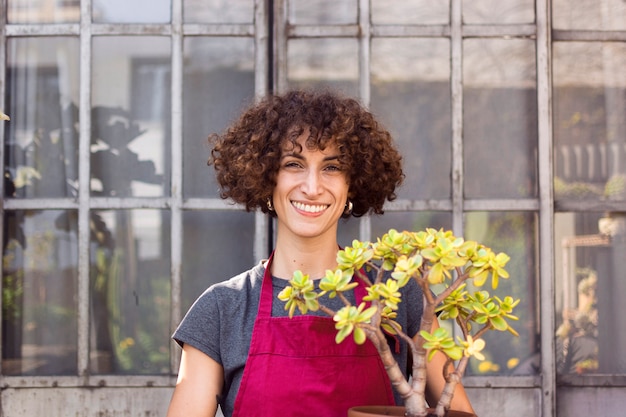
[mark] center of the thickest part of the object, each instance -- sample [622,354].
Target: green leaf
[359,336]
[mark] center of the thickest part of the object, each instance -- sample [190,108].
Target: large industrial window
[510,115]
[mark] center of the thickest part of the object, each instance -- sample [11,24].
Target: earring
[348,210]
[270,207]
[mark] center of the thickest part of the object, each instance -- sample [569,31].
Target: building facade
[510,115]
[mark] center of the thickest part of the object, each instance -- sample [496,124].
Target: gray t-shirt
[221,320]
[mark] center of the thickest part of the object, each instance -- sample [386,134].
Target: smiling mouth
[310,208]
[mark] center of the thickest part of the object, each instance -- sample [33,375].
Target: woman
[307,159]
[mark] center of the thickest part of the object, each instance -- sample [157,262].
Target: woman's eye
[333,168]
[292,164]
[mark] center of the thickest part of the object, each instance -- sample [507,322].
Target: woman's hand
[435,383]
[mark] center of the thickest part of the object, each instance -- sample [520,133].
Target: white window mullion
[456,86]
[83,189]
[280,45]
[262,50]
[546,206]
[176,226]
[3,60]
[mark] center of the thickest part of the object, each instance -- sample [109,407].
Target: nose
[312,183]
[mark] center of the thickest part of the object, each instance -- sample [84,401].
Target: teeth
[308,207]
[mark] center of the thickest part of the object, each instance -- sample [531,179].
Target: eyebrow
[298,155]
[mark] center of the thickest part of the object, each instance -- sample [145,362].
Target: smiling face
[311,191]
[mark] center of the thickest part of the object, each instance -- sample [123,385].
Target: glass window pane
[43,11]
[322,12]
[348,230]
[325,63]
[131,11]
[514,233]
[218,11]
[411,94]
[589,14]
[41,145]
[39,288]
[499,118]
[131,122]
[216,246]
[589,102]
[130,292]
[500,12]
[218,81]
[410,12]
[589,260]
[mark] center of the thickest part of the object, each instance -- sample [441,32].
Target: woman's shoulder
[242,285]
[227,300]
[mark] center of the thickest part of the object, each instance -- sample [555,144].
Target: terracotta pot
[389,410]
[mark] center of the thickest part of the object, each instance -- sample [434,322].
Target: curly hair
[246,157]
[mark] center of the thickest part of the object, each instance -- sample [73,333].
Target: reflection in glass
[515,234]
[589,97]
[589,14]
[500,12]
[41,145]
[322,12]
[131,11]
[500,118]
[216,246]
[39,289]
[130,292]
[43,11]
[413,221]
[410,12]
[411,95]
[326,63]
[218,11]
[590,287]
[218,81]
[131,122]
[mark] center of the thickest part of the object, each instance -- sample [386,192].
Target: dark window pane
[589,123]
[39,290]
[130,292]
[41,142]
[43,11]
[216,246]
[411,95]
[589,259]
[500,12]
[589,14]
[410,12]
[412,221]
[515,234]
[324,63]
[131,117]
[131,11]
[218,82]
[500,119]
[218,11]
[322,12]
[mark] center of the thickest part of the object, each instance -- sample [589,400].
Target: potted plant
[435,259]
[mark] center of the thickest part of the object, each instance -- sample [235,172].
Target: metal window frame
[86,30]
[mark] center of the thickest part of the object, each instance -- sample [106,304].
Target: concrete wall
[85,402]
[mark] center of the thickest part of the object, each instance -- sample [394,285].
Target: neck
[310,257]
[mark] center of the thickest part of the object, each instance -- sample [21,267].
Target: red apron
[295,368]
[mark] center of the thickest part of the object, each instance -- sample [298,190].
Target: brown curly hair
[247,155]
